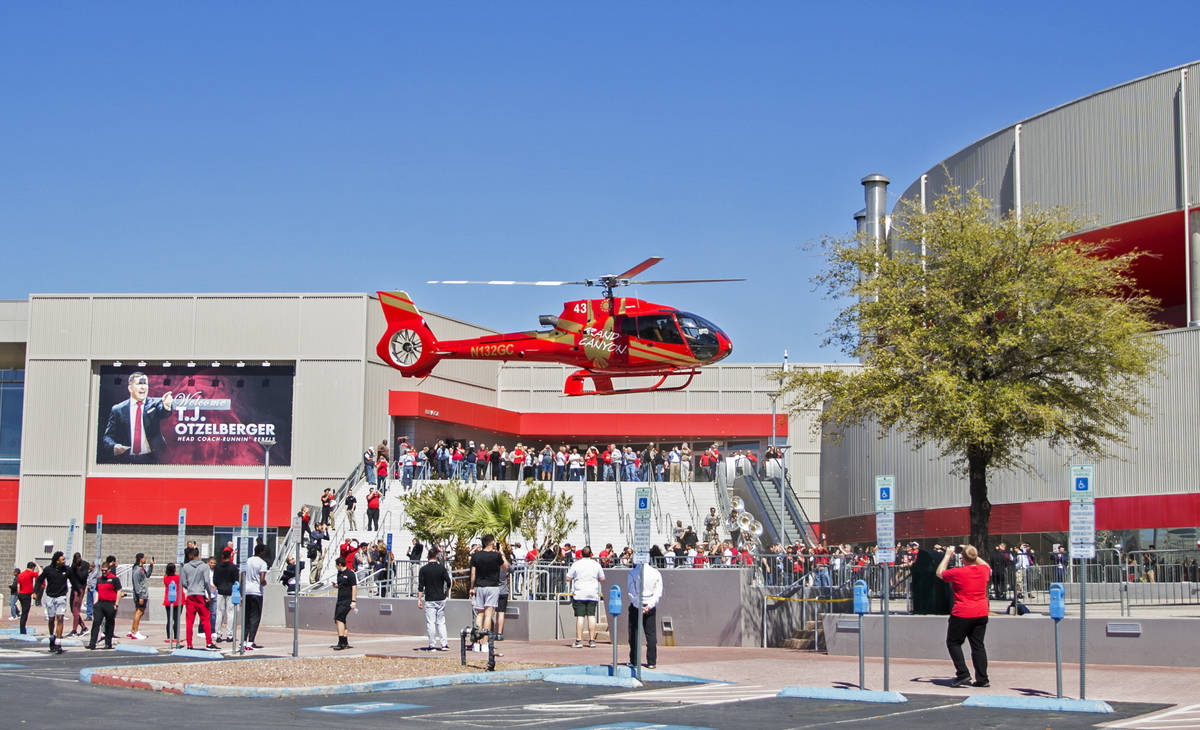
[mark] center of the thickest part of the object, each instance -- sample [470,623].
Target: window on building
[12,399]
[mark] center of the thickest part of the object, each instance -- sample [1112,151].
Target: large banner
[196,415]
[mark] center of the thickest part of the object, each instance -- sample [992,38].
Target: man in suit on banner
[132,433]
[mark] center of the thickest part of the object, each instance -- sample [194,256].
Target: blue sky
[291,146]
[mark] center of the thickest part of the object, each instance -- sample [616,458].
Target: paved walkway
[768,670]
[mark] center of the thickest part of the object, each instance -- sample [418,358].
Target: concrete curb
[30,638]
[845,695]
[1045,704]
[198,654]
[593,680]
[45,641]
[110,676]
[135,649]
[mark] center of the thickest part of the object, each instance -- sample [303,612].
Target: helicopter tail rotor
[407,344]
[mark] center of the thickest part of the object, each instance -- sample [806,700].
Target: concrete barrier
[1169,642]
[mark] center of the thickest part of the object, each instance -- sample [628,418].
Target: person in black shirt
[51,585]
[224,576]
[485,581]
[433,585]
[347,599]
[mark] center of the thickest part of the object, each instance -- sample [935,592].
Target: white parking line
[699,694]
[1187,716]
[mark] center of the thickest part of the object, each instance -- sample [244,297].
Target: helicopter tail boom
[407,344]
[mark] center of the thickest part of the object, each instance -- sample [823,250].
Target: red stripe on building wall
[1112,513]
[411,404]
[10,490]
[156,501]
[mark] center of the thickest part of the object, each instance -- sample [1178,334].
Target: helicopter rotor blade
[639,268]
[681,281]
[511,283]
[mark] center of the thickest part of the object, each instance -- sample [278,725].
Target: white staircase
[610,517]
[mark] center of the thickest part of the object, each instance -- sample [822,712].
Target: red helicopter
[607,338]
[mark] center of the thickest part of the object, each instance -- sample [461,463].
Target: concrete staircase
[809,638]
[609,514]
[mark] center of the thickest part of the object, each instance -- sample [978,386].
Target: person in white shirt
[585,576]
[254,579]
[645,589]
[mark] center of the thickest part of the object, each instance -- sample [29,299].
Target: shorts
[502,603]
[55,605]
[485,597]
[143,604]
[584,608]
[341,611]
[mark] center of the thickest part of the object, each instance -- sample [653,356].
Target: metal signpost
[641,556]
[180,538]
[885,553]
[243,543]
[99,538]
[1083,546]
[70,538]
[296,594]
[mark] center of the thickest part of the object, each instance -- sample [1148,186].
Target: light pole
[267,443]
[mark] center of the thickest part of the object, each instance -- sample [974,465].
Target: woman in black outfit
[77,575]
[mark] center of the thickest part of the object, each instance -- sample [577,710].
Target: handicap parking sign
[643,503]
[1083,482]
[885,493]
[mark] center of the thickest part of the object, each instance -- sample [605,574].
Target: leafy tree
[1007,332]
[544,515]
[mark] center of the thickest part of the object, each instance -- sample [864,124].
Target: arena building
[1128,159]
[301,370]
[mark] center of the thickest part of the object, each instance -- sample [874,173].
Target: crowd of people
[205,591]
[471,461]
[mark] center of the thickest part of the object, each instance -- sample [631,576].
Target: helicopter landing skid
[603,382]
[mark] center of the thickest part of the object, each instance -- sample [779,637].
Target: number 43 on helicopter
[608,339]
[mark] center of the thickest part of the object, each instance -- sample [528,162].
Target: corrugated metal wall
[1161,457]
[1112,157]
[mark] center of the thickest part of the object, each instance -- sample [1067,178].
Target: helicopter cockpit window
[659,328]
[701,335]
[629,327]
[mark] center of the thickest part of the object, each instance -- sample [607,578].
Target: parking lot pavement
[26,672]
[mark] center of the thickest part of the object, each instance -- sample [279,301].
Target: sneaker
[961,682]
[443,648]
[499,637]
[651,666]
[337,647]
[130,635]
[591,643]
[58,649]
[578,644]
[256,646]
[982,683]
[248,646]
[139,636]
[90,646]
[212,647]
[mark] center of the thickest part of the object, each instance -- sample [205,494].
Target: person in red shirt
[373,509]
[25,582]
[969,617]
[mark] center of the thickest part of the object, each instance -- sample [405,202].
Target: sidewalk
[773,669]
